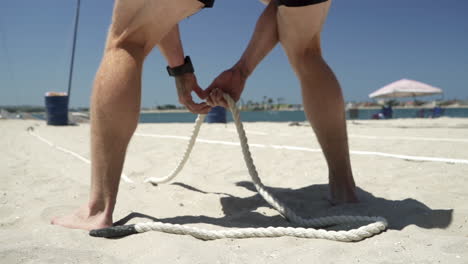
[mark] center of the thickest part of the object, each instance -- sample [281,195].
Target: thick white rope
[377,225]
[186,155]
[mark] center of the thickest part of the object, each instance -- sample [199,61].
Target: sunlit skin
[140,25]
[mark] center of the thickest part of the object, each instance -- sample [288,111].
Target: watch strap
[187,67]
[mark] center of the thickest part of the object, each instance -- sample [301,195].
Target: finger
[213,100]
[195,110]
[221,100]
[203,110]
[199,91]
[211,87]
[224,103]
[198,108]
[188,102]
[209,101]
[216,97]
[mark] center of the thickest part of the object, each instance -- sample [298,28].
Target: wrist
[188,75]
[176,61]
[186,67]
[242,67]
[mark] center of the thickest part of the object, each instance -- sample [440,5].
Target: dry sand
[425,202]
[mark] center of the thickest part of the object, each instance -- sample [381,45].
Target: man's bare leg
[299,33]
[137,27]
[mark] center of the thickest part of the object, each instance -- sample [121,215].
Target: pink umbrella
[405,88]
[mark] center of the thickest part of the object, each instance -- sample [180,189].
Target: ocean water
[291,116]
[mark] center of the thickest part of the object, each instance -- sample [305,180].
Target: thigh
[147,21]
[299,27]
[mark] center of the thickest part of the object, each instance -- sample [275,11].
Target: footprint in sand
[53,255]
[53,211]
[3,197]
[8,217]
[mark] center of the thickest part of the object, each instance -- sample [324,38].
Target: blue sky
[368,43]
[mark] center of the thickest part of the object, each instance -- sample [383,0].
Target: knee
[135,48]
[304,53]
[131,36]
[310,50]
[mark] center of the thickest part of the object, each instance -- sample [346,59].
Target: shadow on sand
[309,202]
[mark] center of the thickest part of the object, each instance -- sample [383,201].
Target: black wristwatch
[187,67]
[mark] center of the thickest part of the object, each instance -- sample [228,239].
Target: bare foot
[83,219]
[342,191]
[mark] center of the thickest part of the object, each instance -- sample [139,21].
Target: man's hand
[185,84]
[231,81]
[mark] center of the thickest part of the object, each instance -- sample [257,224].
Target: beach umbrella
[405,88]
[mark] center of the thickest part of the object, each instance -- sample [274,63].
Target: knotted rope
[308,229]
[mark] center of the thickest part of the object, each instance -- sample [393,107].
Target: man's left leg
[299,33]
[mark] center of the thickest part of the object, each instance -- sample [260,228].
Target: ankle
[342,188]
[100,208]
[341,179]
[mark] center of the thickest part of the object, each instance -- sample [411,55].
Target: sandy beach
[413,172]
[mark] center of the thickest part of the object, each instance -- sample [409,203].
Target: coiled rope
[308,227]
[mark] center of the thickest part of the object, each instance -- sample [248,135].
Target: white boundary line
[355,152]
[372,137]
[250,132]
[76,155]
[126,179]
[410,138]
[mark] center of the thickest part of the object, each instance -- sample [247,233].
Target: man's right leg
[137,26]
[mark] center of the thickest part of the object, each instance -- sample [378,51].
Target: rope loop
[308,227]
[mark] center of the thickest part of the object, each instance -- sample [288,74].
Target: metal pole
[70,76]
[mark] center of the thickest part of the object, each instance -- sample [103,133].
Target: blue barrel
[56,110]
[217,114]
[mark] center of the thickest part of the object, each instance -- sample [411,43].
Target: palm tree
[279,102]
[249,104]
[270,103]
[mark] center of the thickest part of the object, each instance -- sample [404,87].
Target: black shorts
[292,3]
[297,3]
[207,3]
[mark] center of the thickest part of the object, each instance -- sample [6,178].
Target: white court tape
[250,132]
[373,137]
[354,152]
[76,155]
[410,138]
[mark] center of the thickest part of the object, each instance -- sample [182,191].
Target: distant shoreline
[301,109]
[146,111]
[410,107]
